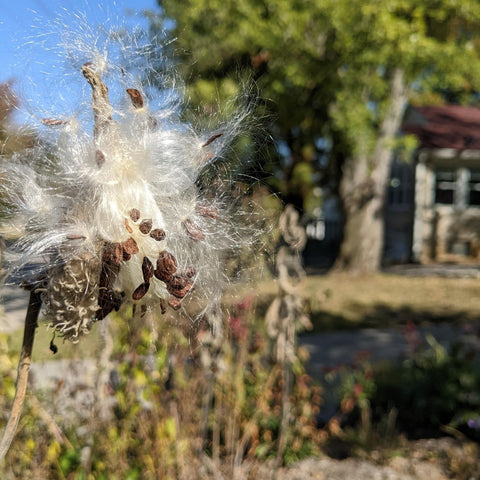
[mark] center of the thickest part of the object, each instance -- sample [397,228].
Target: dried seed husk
[70,294]
[140,291]
[145,225]
[193,230]
[147,269]
[158,234]
[135,97]
[130,246]
[102,110]
[128,227]
[108,274]
[108,300]
[134,214]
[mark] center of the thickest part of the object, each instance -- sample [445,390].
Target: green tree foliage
[335,70]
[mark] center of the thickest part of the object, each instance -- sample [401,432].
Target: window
[474,187]
[445,184]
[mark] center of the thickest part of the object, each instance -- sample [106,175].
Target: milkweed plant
[121,201]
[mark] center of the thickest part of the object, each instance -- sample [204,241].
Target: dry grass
[335,302]
[88,347]
[339,301]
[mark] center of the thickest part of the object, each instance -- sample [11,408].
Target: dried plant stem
[285,313]
[103,121]
[31,318]
[50,422]
[102,109]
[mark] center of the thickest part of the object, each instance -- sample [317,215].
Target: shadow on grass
[383,316]
[378,315]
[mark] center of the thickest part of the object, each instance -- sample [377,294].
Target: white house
[432,211]
[446,198]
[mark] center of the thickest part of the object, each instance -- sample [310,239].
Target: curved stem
[31,318]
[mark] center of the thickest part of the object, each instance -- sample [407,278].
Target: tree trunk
[363,189]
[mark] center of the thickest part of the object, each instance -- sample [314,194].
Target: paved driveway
[328,350]
[14,301]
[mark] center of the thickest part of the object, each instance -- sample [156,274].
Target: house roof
[447,126]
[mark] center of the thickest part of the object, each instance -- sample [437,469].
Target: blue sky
[26,26]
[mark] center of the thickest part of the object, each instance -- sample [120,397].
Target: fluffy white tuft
[125,212]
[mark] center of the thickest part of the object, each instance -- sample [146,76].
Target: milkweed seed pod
[111,211]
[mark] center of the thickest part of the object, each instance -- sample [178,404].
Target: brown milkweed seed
[162,275]
[166,266]
[135,97]
[147,269]
[189,272]
[174,303]
[76,237]
[157,234]
[193,230]
[134,214]
[152,122]
[126,256]
[179,286]
[113,253]
[140,291]
[99,158]
[128,227]
[145,225]
[53,122]
[212,138]
[179,281]
[207,211]
[167,262]
[130,246]
[163,306]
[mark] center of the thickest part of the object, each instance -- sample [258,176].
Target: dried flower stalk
[23,369]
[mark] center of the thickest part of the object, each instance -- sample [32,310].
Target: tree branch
[31,318]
